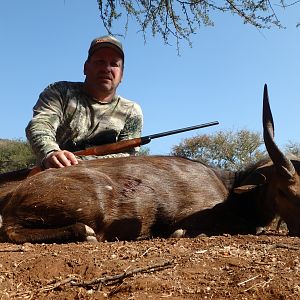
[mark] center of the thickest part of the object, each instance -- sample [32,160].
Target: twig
[285,246]
[281,245]
[49,287]
[145,253]
[56,284]
[245,281]
[115,290]
[102,280]
[118,277]
[15,249]
[262,284]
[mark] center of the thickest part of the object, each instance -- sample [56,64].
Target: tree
[293,147]
[14,155]
[227,149]
[144,151]
[181,18]
[17,154]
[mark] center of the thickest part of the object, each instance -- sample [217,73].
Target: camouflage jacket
[65,117]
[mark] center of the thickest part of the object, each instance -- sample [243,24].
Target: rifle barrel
[158,135]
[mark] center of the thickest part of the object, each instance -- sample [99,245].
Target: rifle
[111,148]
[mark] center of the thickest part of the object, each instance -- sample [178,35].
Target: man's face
[104,70]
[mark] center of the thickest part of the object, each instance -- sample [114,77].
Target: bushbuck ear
[244,188]
[250,183]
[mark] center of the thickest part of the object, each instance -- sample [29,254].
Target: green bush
[14,155]
[232,150]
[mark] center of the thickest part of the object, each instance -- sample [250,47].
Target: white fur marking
[178,233]
[91,239]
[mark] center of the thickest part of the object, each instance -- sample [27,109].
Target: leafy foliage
[180,19]
[14,155]
[144,151]
[293,147]
[224,149]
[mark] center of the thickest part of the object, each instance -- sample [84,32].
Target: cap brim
[105,45]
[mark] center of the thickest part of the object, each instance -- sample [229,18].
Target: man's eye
[115,64]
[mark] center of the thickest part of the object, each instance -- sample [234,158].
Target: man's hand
[59,159]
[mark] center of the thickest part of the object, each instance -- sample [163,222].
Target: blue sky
[220,78]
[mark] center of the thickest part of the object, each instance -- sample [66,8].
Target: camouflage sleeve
[132,129]
[47,115]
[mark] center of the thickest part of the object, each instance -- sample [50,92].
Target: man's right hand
[59,159]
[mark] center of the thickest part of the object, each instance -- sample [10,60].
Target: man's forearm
[41,141]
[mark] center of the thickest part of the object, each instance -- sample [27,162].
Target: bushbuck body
[130,198]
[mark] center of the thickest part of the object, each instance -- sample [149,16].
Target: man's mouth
[104,78]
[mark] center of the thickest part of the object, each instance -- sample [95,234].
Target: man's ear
[122,74]
[85,67]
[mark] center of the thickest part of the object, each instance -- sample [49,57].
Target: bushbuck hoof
[179,233]
[90,235]
[260,230]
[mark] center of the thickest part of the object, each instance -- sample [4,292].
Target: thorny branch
[116,278]
[74,280]
[180,19]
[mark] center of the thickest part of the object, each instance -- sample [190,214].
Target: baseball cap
[106,41]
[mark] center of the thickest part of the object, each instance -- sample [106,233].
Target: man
[71,116]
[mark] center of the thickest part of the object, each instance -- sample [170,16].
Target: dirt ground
[222,267]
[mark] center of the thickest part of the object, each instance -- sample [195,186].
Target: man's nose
[107,66]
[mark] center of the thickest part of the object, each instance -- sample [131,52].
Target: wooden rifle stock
[113,148]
